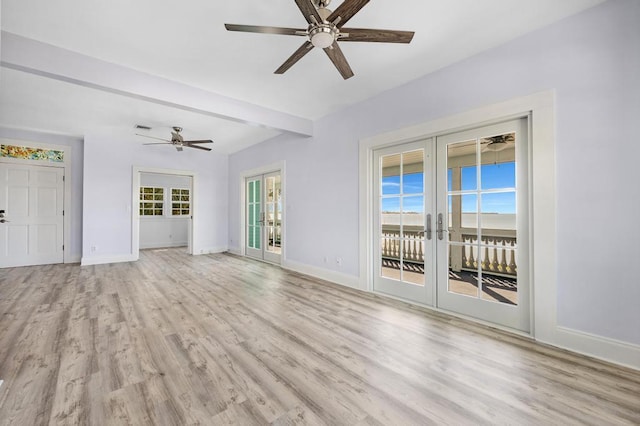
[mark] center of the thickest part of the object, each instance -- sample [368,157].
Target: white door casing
[33,199]
[263,212]
[476,270]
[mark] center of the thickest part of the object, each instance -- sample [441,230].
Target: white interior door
[263,230]
[404,203]
[31,231]
[482,224]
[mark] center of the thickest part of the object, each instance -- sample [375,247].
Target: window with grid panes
[180,202]
[151,201]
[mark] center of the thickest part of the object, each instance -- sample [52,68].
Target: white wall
[109,159]
[592,60]
[76,177]
[166,230]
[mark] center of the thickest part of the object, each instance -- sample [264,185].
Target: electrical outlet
[339,261]
[94,249]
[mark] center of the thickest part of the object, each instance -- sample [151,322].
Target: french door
[405,204]
[31,215]
[451,223]
[263,215]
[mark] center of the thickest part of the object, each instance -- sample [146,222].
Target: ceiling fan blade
[297,55]
[346,10]
[265,30]
[378,36]
[200,141]
[308,10]
[198,147]
[337,57]
[158,143]
[153,137]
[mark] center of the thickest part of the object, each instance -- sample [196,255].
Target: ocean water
[469,220]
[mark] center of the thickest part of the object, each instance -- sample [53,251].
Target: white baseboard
[73,259]
[235,250]
[209,250]
[603,348]
[99,260]
[164,244]
[336,277]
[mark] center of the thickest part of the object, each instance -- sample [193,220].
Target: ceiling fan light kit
[325,29]
[323,35]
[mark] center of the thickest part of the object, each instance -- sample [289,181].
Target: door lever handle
[428,228]
[440,227]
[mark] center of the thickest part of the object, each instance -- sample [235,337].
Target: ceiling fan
[178,141]
[498,143]
[325,29]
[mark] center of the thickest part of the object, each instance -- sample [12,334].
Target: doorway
[165,210]
[263,213]
[162,198]
[31,215]
[451,223]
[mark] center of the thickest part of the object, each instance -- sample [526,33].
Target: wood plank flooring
[218,339]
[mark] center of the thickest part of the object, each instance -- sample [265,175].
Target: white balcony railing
[496,252]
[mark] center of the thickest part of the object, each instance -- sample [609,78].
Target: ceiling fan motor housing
[321,3]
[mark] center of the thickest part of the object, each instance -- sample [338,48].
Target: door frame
[269,168]
[67,199]
[135,201]
[540,107]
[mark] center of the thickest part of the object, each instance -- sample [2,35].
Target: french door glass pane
[390,174]
[463,275]
[253,213]
[402,217]
[499,284]
[413,172]
[482,218]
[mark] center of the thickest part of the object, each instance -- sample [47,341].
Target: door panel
[404,262]
[481,270]
[264,217]
[253,214]
[32,197]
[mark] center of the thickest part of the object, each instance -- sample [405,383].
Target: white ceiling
[186,42]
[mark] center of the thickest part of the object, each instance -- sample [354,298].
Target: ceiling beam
[27,55]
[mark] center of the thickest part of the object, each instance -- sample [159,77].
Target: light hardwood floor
[218,339]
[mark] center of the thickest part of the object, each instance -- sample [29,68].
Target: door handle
[428,229]
[4,221]
[440,227]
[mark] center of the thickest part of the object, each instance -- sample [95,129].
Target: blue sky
[493,176]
